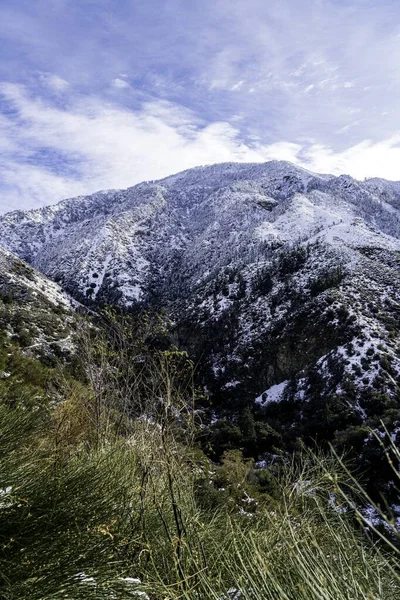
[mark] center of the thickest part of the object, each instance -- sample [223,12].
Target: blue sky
[106,93]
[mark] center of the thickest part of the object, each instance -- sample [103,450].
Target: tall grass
[75,524]
[298,547]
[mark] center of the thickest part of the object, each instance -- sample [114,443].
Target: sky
[100,94]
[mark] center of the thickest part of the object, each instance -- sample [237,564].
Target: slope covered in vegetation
[282,286]
[106,491]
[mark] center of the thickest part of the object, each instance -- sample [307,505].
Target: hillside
[282,284]
[34,311]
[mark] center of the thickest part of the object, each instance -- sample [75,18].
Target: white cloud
[30,186]
[366,159]
[54,82]
[94,145]
[120,83]
[237,86]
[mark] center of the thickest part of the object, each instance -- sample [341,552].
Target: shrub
[326,280]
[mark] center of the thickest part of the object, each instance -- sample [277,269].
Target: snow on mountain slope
[271,273]
[33,309]
[18,279]
[111,242]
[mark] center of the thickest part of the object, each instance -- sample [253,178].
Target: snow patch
[272,394]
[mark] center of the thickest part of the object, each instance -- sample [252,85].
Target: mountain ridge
[259,183]
[282,284]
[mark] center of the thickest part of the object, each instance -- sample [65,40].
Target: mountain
[120,242]
[282,283]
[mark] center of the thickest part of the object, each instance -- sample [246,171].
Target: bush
[325,281]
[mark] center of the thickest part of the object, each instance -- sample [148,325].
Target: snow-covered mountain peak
[270,272]
[227,173]
[119,242]
[282,284]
